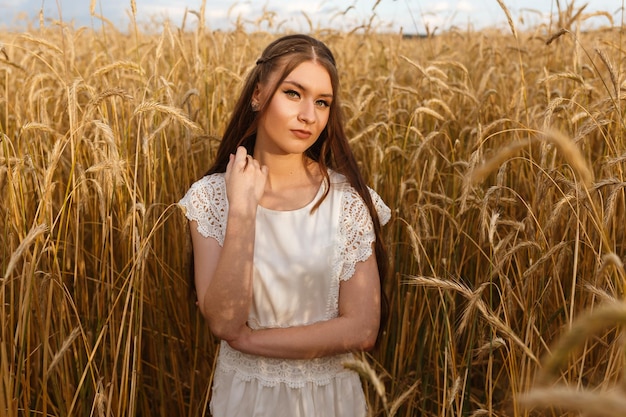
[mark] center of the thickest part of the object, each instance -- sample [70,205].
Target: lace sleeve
[206,203]
[357,230]
[384,212]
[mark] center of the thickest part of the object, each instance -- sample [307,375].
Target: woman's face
[298,111]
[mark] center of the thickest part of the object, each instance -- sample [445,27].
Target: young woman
[288,255]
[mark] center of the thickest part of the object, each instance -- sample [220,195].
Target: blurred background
[408,16]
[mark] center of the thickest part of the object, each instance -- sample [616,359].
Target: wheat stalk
[600,404]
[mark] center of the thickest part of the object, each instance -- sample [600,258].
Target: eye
[292,93]
[322,103]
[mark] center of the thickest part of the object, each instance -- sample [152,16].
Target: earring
[255,106]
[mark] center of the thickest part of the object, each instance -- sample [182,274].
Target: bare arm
[355,328]
[223,275]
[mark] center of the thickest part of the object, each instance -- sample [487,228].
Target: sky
[409,16]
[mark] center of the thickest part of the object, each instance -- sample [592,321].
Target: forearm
[355,328]
[326,338]
[223,274]
[226,302]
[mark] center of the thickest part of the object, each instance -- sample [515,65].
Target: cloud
[410,15]
[305,7]
[465,6]
[439,7]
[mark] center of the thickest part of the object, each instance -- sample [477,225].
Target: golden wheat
[505,177]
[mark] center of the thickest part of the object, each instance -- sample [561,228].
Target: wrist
[242,342]
[243,212]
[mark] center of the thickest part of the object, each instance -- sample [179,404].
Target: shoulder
[353,202]
[208,182]
[203,191]
[206,203]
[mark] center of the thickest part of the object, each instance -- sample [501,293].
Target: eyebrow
[303,88]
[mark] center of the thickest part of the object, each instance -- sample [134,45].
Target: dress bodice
[300,259]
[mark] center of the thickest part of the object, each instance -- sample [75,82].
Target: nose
[306,112]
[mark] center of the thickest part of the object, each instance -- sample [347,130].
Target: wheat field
[502,154]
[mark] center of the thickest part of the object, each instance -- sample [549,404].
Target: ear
[256,97]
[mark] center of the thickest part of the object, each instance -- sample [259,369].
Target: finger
[241,159]
[229,166]
[253,162]
[241,153]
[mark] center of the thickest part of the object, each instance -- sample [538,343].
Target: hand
[245,182]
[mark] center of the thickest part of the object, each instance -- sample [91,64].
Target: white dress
[300,258]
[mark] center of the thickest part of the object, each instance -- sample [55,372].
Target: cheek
[278,107]
[324,119]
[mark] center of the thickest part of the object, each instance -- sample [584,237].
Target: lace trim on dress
[207,204]
[356,230]
[356,235]
[384,212]
[271,372]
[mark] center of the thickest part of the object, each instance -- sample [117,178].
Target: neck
[286,171]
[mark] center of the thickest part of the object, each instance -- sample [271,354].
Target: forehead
[311,75]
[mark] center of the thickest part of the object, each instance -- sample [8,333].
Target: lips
[301,134]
